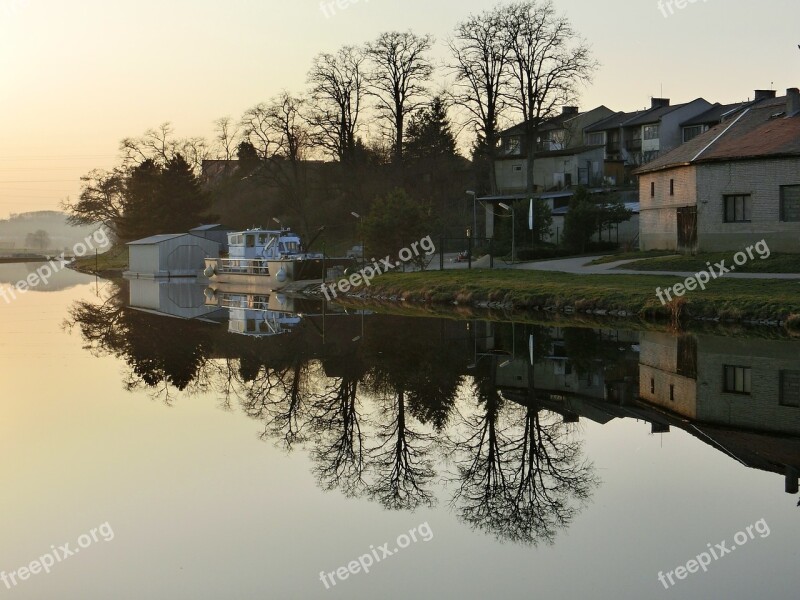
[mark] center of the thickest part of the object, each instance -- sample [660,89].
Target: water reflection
[483,415]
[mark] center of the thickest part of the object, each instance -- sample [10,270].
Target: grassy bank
[631,295]
[776,263]
[113,262]
[639,254]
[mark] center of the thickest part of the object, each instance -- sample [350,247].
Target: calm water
[237,447]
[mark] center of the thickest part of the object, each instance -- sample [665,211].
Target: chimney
[569,110]
[792,102]
[764,95]
[659,102]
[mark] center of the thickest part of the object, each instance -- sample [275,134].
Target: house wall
[760,410]
[658,222]
[658,364]
[509,180]
[671,133]
[762,180]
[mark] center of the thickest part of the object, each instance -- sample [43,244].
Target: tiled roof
[760,131]
[614,121]
[715,114]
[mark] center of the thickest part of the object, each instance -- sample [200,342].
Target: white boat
[269,260]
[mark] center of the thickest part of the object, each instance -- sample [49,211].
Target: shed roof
[156,239]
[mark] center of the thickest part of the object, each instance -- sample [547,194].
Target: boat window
[251,241]
[262,239]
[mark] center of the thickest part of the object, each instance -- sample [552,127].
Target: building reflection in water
[388,407]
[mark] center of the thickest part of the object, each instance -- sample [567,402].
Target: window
[595,139]
[689,133]
[790,203]
[652,386]
[512,145]
[251,241]
[517,168]
[671,187]
[651,132]
[738,209]
[652,189]
[790,388]
[737,379]
[671,393]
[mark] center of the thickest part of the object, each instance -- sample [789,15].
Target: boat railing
[255,266]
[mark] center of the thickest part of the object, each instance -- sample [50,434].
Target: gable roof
[759,131]
[156,239]
[717,113]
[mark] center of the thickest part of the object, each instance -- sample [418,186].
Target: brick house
[735,184]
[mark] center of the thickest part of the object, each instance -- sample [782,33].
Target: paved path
[578,266]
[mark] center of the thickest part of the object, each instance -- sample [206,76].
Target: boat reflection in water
[482,415]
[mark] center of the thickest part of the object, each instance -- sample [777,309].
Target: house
[169,255]
[562,158]
[719,113]
[625,233]
[730,187]
[635,138]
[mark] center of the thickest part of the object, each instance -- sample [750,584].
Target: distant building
[730,187]
[635,138]
[563,159]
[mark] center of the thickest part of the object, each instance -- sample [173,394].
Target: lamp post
[361,228]
[474,224]
[513,236]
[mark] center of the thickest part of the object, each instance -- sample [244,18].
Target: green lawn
[776,263]
[636,294]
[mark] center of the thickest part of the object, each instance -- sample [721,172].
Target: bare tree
[278,131]
[101,199]
[548,61]
[161,146]
[400,70]
[480,62]
[226,139]
[338,88]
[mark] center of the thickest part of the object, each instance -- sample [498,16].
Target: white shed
[169,255]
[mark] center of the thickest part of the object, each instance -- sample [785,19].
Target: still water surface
[243,451]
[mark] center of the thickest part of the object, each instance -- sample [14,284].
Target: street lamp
[361,227]
[513,236]
[474,225]
[277,221]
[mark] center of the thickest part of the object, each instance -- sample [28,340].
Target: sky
[78,76]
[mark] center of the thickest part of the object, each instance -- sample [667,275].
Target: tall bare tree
[480,54]
[278,131]
[338,88]
[226,138]
[548,61]
[400,70]
[102,200]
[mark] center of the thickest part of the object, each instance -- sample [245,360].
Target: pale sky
[78,76]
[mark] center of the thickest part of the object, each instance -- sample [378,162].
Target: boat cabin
[263,244]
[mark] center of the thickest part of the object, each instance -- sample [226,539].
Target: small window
[652,189]
[790,388]
[737,379]
[652,386]
[251,241]
[689,133]
[671,393]
[790,203]
[671,187]
[595,139]
[517,168]
[738,209]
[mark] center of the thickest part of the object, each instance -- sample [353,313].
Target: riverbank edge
[773,303]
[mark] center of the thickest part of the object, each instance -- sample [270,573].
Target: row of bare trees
[516,62]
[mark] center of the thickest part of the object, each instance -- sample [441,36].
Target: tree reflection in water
[379,414]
